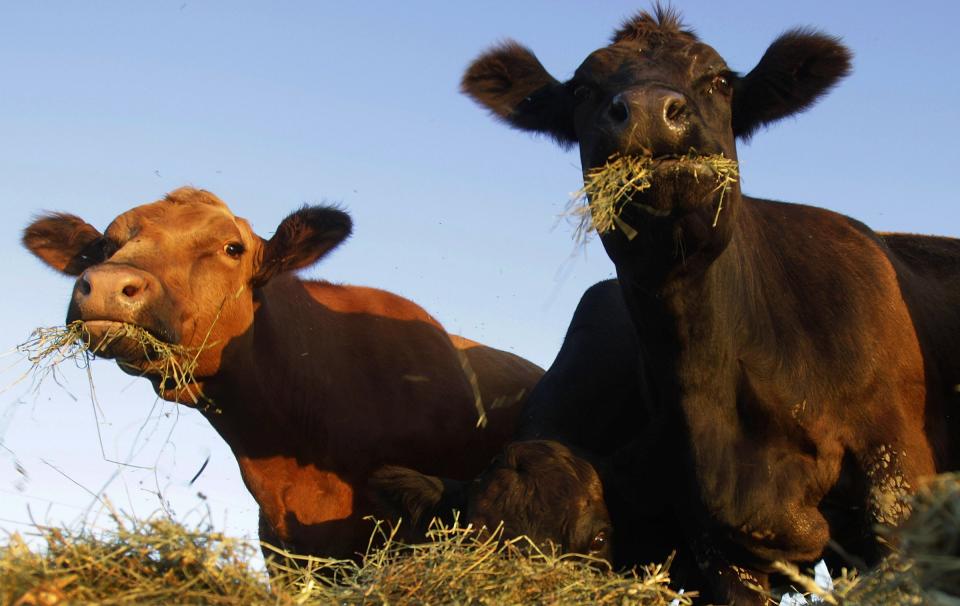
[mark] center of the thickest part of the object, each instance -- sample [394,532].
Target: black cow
[567,479]
[784,343]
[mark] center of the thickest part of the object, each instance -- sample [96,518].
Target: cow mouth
[112,339]
[137,350]
[629,186]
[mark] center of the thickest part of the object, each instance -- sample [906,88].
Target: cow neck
[700,327]
[265,393]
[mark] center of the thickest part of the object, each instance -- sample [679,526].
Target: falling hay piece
[607,189]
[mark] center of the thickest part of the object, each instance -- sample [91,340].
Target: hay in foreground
[607,189]
[153,562]
[161,561]
[49,347]
[457,567]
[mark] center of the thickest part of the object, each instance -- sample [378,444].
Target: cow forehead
[680,56]
[197,217]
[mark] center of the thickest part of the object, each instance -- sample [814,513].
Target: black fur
[301,240]
[664,21]
[511,82]
[799,67]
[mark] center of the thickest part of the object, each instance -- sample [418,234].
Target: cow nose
[619,110]
[111,292]
[653,116]
[674,109]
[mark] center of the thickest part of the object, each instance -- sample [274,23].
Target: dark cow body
[785,346]
[595,399]
[568,478]
[313,385]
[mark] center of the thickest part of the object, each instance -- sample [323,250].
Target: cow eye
[582,92]
[720,83]
[234,250]
[598,542]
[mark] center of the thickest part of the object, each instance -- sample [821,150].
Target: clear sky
[106,105]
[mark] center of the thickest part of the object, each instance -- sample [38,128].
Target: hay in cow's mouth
[170,364]
[609,188]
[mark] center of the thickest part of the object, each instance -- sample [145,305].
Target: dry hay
[47,348]
[161,561]
[608,189]
[158,561]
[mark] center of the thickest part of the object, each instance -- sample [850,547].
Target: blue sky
[105,105]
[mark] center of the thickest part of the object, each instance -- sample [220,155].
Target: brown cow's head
[184,268]
[538,489]
[659,92]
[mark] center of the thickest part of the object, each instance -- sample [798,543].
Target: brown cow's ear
[799,67]
[64,242]
[511,82]
[301,240]
[417,498]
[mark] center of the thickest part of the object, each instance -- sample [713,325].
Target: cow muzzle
[109,295]
[652,117]
[112,292]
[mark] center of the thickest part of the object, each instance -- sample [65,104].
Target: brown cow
[314,385]
[788,342]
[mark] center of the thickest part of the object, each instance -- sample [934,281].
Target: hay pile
[47,348]
[608,189]
[162,562]
[158,562]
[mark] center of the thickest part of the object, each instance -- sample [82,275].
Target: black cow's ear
[417,498]
[301,240]
[798,68]
[511,82]
[65,242]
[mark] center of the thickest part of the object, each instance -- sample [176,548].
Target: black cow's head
[538,489]
[658,92]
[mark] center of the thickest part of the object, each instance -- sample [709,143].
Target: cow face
[538,489]
[184,268]
[659,93]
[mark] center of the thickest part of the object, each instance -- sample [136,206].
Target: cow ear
[511,82]
[417,498]
[64,242]
[301,240]
[798,68]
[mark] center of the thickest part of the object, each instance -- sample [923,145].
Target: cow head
[660,93]
[538,489]
[184,268]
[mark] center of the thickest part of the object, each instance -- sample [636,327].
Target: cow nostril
[130,291]
[83,286]
[618,112]
[674,109]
